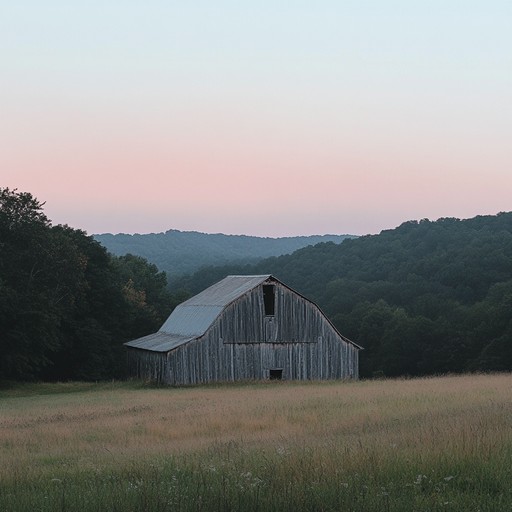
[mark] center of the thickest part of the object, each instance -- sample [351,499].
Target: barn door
[279,370]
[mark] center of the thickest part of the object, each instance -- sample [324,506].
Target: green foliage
[254,482]
[180,252]
[426,297]
[66,305]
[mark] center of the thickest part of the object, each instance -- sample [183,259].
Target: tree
[66,304]
[28,322]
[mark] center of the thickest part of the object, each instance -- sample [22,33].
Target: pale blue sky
[403,109]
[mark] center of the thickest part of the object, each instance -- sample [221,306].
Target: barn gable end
[244,327]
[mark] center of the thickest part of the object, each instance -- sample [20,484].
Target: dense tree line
[66,304]
[424,298]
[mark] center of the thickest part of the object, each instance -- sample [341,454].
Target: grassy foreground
[437,444]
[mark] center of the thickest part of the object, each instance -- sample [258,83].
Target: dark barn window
[276,374]
[269,299]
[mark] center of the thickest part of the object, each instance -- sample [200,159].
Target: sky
[269,118]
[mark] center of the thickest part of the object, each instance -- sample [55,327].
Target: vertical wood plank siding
[244,344]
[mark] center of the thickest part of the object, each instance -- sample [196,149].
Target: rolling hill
[182,252]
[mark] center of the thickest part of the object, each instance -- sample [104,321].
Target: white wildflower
[420,479]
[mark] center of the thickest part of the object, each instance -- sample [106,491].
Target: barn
[244,328]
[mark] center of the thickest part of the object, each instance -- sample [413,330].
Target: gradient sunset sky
[270,118]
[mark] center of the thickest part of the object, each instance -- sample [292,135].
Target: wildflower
[420,479]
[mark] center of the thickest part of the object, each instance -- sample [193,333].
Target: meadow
[433,444]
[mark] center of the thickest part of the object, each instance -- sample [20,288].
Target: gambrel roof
[192,318]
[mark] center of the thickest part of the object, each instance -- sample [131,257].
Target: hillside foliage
[181,252]
[66,304]
[424,298]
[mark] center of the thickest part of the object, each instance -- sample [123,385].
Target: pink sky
[284,122]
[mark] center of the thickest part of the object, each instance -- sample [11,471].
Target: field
[436,444]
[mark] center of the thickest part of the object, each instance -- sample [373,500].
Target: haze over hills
[182,252]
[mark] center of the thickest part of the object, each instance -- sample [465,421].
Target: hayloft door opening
[276,374]
[269,299]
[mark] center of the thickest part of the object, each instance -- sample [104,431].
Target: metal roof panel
[225,291]
[191,320]
[159,342]
[194,316]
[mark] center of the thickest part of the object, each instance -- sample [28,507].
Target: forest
[428,297]
[66,304]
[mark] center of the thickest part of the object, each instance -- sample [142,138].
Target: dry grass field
[441,443]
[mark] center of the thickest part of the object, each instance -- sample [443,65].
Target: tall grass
[398,445]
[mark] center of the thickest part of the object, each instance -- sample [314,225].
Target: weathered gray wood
[244,344]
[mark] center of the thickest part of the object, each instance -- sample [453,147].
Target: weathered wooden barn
[243,328]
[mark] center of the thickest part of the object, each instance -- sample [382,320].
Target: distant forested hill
[426,297]
[181,252]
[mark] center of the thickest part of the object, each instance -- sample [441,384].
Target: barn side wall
[244,344]
[147,365]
